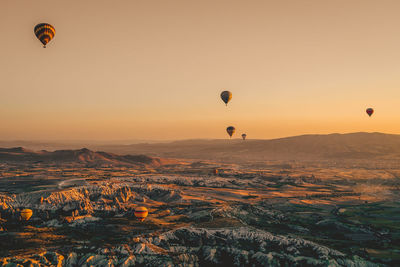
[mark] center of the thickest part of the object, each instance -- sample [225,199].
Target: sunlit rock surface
[204,247]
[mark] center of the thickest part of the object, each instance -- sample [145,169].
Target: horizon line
[140,140]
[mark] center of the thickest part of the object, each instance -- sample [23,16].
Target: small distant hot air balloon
[226,96]
[215,171]
[370,111]
[230,130]
[26,214]
[141,213]
[244,136]
[44,32]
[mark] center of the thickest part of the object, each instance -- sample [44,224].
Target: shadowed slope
[83,156]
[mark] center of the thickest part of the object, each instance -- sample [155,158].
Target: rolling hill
[81,156]
[305,147]
[351,146]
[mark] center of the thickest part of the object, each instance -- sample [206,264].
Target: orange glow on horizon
[294,67]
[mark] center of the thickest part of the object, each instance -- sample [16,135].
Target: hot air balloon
[244,136]
[370,111]
[230,130]
[215,171]
[26,214]
[141,213]
[226,96]
[44,32]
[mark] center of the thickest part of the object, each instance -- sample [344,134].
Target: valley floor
[245,216]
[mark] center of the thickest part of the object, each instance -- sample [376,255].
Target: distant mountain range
[305,147]
[360,146]
[81,156]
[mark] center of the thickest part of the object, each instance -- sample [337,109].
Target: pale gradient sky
[155,69]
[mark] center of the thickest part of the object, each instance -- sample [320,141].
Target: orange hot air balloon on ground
[141,213]
[44,32]
[244,136]
[230,130]
[226,96]
[370,111]
[26,214]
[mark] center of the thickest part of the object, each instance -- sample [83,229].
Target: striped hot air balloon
[141,213]
[44,32]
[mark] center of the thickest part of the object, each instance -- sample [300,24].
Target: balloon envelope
[226,96]
[141,213]
[244,136]
[44,32]
[370,111]
[26,214]
[230,130]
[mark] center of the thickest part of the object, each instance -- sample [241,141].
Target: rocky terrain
[247,215]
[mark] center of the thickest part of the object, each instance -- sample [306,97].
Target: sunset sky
[126,69]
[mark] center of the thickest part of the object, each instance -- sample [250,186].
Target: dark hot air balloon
[44,32]
[230,130]
[370,111]
[226,96]
[244,136]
